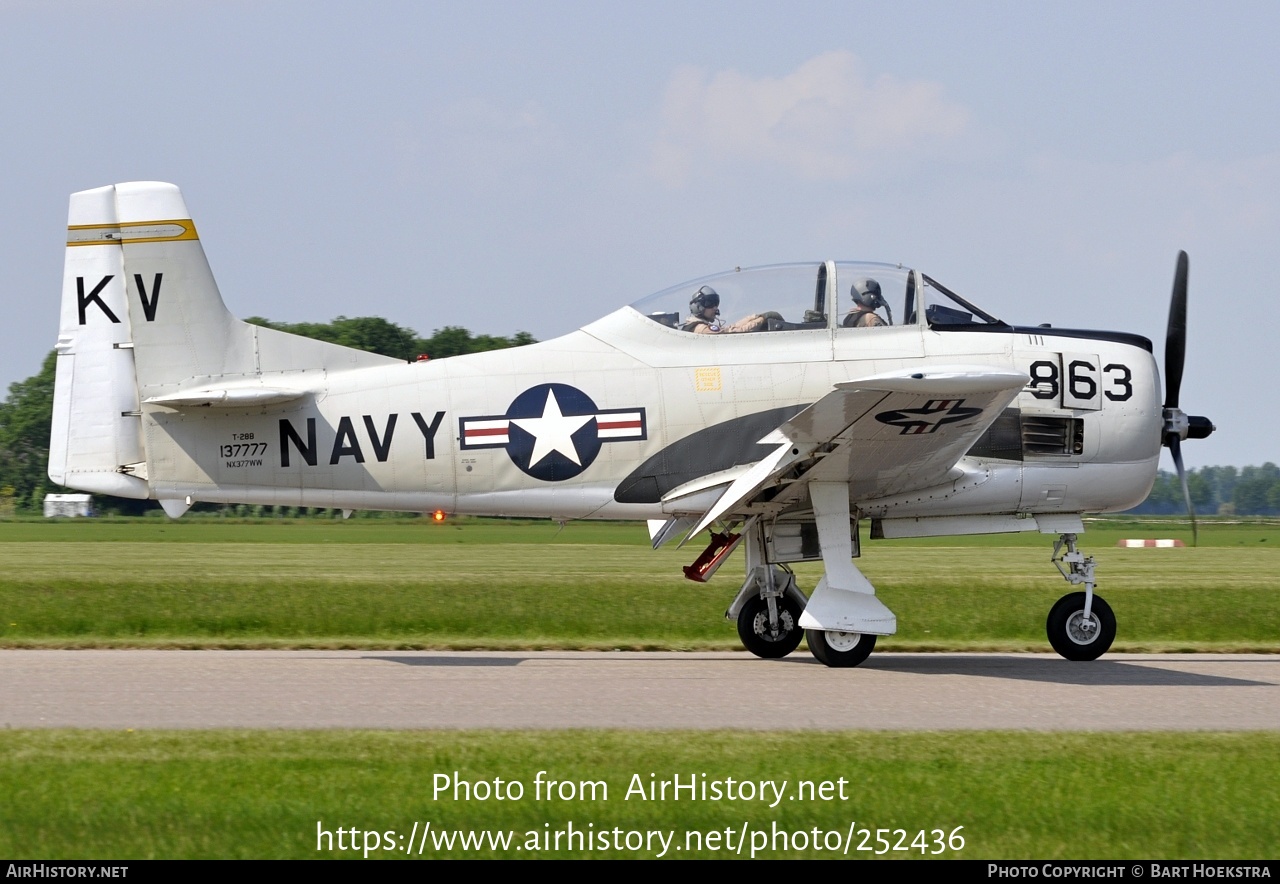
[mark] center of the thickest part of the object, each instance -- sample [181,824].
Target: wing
[883,435]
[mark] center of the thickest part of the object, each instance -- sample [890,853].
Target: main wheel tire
[759,639]
[840,649]
[1068,633]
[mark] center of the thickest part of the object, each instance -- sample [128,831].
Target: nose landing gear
[1081,625]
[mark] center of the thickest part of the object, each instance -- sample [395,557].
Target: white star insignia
[553,431]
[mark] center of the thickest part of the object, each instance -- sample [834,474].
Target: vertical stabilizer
[182,331]
[96,440]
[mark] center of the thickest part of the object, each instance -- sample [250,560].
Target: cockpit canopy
[798,297]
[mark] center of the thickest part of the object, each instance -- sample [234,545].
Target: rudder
[95,441]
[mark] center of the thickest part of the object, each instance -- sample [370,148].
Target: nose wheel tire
[1075,638]
[840,649]
[763,641]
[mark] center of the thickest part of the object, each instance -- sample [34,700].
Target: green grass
[493,584]
[496,584]
[261,794]
[206,528]
[417,531]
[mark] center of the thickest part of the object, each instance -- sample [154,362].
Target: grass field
[1007,795]
[496,584]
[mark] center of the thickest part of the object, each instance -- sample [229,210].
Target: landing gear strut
[1081,626]
[770,627]
[768,607]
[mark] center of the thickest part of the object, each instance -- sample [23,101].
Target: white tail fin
[96,430]
[142,322]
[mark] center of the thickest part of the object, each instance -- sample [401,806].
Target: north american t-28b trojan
[830,395]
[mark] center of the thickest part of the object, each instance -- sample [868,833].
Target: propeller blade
[1175,449]
[1175,344]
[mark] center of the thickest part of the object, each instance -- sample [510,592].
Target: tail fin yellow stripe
[131,232]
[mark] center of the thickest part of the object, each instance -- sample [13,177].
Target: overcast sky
[531,166]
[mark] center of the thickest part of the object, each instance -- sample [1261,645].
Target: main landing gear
[770,627]
[1081,626]
[769,624]
[768,606]
[768,609]
[840,649]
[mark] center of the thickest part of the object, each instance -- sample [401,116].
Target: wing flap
[883,435]
[746,485]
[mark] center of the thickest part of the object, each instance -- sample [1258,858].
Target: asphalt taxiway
[543,690]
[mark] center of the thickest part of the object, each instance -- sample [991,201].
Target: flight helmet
[702,299]
[866,292]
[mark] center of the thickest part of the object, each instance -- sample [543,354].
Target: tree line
[26,415]
[1224,491]
[377,335]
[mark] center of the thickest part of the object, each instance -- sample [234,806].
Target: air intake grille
[1052,435]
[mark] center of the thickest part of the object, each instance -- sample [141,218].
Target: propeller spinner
[1177,424]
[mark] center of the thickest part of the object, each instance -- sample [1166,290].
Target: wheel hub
[1081,631]
[843,641]
[786,623]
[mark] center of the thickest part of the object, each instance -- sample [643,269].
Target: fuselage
[629,411]
[645,413]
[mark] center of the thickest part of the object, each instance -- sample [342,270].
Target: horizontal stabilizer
[228,397]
